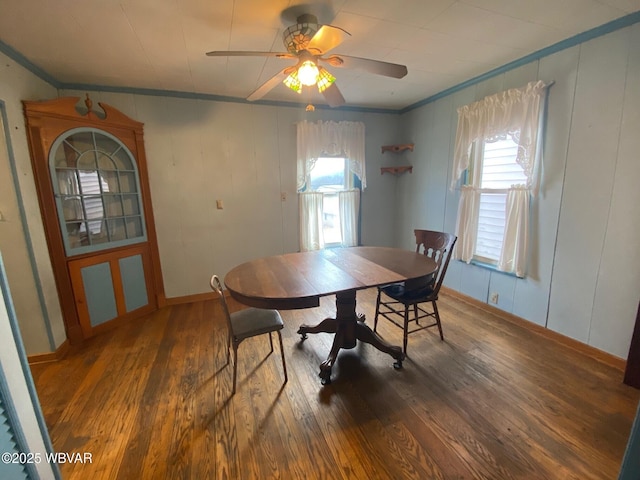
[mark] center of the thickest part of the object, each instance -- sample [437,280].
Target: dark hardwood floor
[495,400]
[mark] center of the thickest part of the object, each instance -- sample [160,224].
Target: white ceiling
[161,44]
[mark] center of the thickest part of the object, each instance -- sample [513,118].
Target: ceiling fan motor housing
[297,37]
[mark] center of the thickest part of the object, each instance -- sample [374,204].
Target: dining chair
[247,323]
[394,301]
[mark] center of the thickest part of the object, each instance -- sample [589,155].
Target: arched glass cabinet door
[97,191]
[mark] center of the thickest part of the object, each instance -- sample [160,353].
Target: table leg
[348,327]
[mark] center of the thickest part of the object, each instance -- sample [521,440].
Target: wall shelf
[397,148]
[396,170]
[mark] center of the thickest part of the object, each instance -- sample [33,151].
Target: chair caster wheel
[325,381]
[303,334]
[397,364]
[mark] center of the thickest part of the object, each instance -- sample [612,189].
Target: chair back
[438,246]
[216,286]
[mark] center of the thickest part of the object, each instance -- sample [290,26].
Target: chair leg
[406,330]
[375,320]
[235,367]
[437,315]
[415,313]
[284,364]
[270,343]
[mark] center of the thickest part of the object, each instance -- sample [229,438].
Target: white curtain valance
[330,139]
[516,112]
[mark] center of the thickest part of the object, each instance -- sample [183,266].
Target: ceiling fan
[308,42]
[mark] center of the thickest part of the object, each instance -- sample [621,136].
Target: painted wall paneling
[589,182]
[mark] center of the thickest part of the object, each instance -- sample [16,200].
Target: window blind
[9,444]
[499,172]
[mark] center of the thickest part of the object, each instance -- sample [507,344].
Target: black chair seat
[399,292]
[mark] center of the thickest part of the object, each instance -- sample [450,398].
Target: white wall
[23,245]
[200,151]
[584,278]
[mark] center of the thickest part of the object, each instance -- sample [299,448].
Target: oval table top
[298,280]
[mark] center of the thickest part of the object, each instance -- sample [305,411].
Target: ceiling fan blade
[333,96]
[326,38]
[270,84]
[232,53]
[372,66]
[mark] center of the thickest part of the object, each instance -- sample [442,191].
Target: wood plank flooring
[495,400]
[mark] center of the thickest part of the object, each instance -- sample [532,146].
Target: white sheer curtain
[467,223]
[310,206]
[349,202]
[330,139]
[515,245]
[519,113]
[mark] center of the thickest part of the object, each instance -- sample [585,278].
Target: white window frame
[474,178]
[347,184]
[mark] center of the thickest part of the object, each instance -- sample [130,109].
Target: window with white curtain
[330,176]
[494,164]
[330,156]
[499,145]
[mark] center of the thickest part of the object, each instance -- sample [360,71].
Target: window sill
[494,268]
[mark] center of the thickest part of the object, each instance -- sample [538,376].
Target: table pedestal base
[349,327]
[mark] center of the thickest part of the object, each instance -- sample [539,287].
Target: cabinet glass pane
[80,141]
[106,144]
[65,156]
[131,205]
[105,162]
[117,229]
[93,208]
[73,234]
[113,206]
[128,182]
[67,181]
[72,209]
[98,232]
[122,160]
[134,227]
[110,181]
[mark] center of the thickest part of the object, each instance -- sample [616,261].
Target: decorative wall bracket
[397,148]
[396,170]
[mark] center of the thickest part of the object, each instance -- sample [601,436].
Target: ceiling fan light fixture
[325,79]
[308,73]
[293,82]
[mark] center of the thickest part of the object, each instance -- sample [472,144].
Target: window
[496,169]
[330,155]
[95,181]
[329,176]
[498,143]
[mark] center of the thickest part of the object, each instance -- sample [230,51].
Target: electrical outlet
[283,196]
[493,298]
[219,204]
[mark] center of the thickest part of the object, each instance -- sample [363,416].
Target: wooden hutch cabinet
[91,177]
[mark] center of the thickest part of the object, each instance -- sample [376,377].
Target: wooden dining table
[299,280]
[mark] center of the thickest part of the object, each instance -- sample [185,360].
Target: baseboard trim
[604,357]
[198,297]
[59,354]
